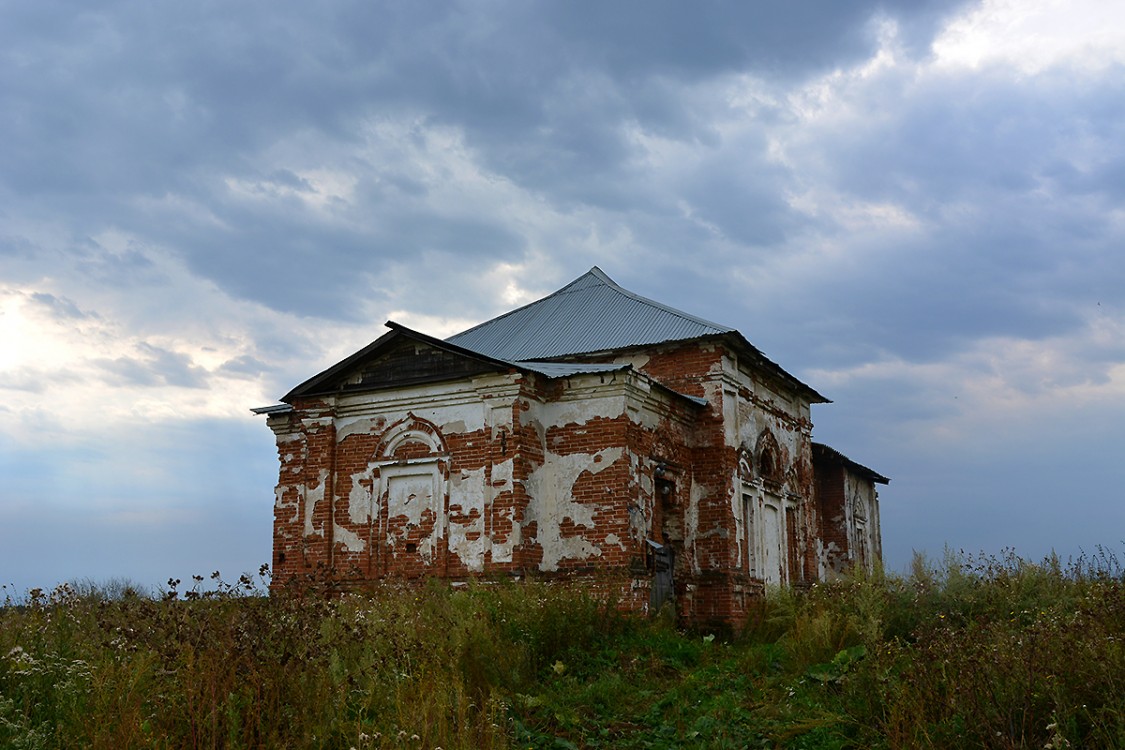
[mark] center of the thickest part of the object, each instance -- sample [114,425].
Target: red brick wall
[712,583]
[830,502]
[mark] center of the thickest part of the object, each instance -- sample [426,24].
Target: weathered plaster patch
[348,538]
[582,411]
[314,495]
[469,415]
[453,428]
[360,498]
[639,524]
[415,499]
[503,550]
[550,486]
[280,504]
[638,361]
[457,411]
[467,491]
[347,427]
[691,522]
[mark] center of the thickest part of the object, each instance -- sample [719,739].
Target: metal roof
[593,314]
[324,382]
[822,451]
[275,409]
[590,314]
[566,369]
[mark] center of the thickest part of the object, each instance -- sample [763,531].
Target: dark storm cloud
[1008,188]
[638,38]
[741,197]
[137,100]
[60,308]
[245,365]
[155,367]
[962,134]
[678,146]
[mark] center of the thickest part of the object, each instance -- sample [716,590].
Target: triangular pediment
[399,358]
[406,361]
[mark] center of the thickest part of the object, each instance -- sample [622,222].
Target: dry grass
[974,652]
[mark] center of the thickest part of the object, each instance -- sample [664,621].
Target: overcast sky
[915,207]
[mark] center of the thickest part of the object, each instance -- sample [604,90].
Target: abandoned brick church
[593,432]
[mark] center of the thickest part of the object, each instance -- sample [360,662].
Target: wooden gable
[400,358]
[406,362]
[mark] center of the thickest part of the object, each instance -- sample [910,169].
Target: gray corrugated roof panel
[275,409]
[566,369]
[590,314]
[328,381]
[698,400]
[593,314]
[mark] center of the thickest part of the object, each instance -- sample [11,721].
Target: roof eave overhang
[272,410]
[741,344]
[733,338]
[854,466]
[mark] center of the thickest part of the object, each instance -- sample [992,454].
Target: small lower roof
[824,452]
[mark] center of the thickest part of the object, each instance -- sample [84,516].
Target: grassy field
[971,652]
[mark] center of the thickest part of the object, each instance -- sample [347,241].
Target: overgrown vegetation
[972,652]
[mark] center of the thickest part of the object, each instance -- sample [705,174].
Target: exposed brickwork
[833,531]
[513,474]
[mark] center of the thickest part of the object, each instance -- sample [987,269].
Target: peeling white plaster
[413,492]
[467,491]
[443,405]
[360,506]
[638,361]
[504,551]
[350,539]
[581,411]
[358,426]
[503,548]
[691,523]
[550,488]
[280,504]
[314,495]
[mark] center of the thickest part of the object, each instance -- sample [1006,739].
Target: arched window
[769,459]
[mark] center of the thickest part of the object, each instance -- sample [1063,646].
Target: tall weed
[994,652]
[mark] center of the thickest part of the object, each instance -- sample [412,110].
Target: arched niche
[411,494]
[767,462]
